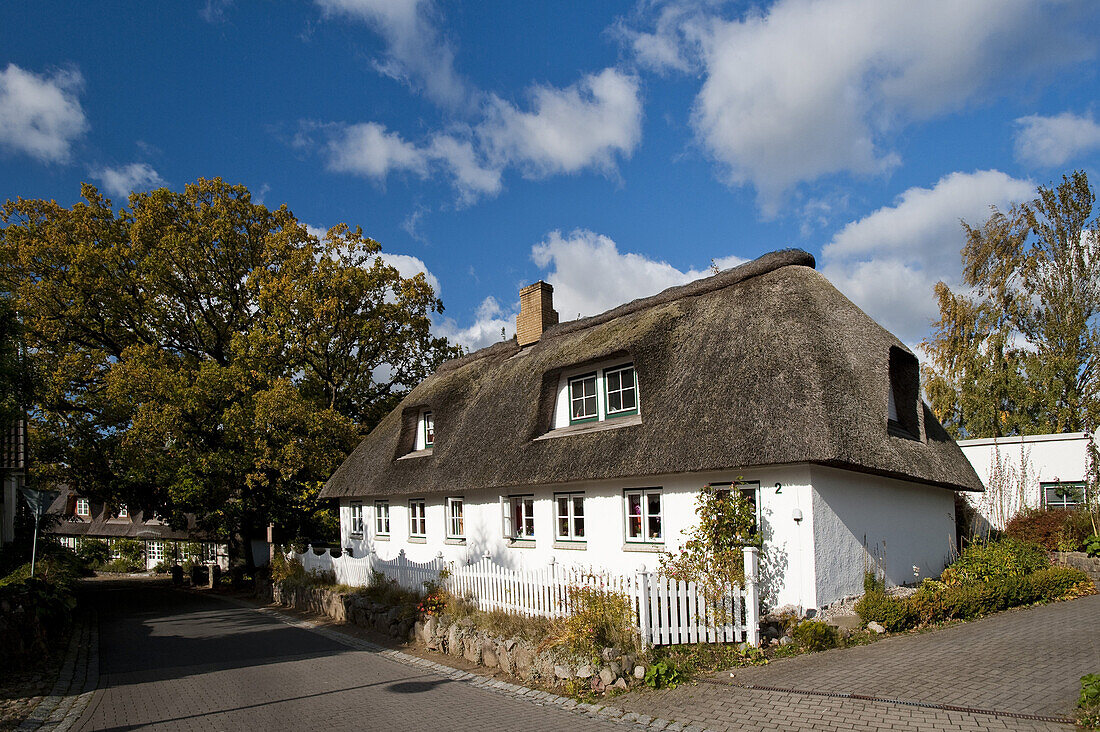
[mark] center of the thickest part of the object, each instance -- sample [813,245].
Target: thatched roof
[103,524]
[763,364]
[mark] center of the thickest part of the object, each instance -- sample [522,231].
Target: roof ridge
[754,268]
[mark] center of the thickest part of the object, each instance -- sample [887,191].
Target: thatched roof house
[763,364]
[595,436]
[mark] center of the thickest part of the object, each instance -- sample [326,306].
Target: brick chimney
[536,312]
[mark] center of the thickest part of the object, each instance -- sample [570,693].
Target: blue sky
[613,149]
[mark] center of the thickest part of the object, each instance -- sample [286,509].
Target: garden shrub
[814,635]
[1055,529]
[1091,545]
[892,613]
[1007,557]
[663,675]
[95,552]
[1088,703]
[122,566]
[600,619]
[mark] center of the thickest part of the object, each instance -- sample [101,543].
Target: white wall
[1039,458]
[787,565]
[863,520]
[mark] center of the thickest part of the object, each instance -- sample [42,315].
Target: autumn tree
[196,352]
[1017,352]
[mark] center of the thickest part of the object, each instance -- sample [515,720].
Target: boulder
[845,622]
[488,654]
[523,657]
[786,640]
[620,684]
[639,672]
[471,650]
[454,641]
[585,671]
[504,659]
[875,627]
[563,672]
[606,676]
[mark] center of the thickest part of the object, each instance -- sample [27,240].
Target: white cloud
[1051,141]
[811,88]
[416,52]
[491,319]
[121,181]
[583,125]
[410,266]
[590,274]
[889,261]
[40,115]
[368,149]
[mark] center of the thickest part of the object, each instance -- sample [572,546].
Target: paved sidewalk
[1024,662]
[76,681]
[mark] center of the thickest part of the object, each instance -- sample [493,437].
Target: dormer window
[123,512]
[83,508]
[429,429]
[903,397]
[596,393]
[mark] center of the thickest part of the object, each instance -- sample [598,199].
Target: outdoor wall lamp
[797,515]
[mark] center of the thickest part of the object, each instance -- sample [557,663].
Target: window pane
[628,399]
[563,506]
[654,527]
[578,526]
[653,504]
[563,526]
[614,401]
[635,527]
[613,381]
[634,501]
[590,386]
[590,406]
[578,505]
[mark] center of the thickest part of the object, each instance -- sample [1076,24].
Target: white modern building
[588,441]
[1036,471]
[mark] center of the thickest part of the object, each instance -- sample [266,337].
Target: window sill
[381,537]
[356,535]
[579,429]
[453,541]
[418,540]
[521,544]
[632,546]
[576,546]
[426,452]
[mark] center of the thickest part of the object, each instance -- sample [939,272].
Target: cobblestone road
[1021,662]
[178,661]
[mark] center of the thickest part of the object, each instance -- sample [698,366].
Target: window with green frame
[621,390]
[1063,495]
[429,430]
[582,399]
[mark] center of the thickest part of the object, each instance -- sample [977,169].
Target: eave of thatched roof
[763,364]
[103,524]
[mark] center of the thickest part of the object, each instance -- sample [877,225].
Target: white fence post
[643,604]
[752,600]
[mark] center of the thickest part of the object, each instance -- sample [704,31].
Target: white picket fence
[665,611]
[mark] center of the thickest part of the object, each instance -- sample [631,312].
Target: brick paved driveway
[178,661]
[1025,661]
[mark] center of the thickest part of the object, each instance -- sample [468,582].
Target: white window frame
[154,551]
[381,518]
[123,511]
[356,526]
[570,517]
[621,390]
[428,427]
[525,504]
[595,397]
[748,488]
[644,495]
[418,518]
[456,524]
[1063,503]
[83,507]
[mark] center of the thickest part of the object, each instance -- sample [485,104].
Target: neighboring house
[588,441]
[13,475]
[83,518]
[1037,471]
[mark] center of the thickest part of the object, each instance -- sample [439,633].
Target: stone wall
[1079,560]
[514,657]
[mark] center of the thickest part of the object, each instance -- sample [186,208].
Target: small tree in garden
[713,556]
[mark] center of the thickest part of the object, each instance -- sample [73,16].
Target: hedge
[936,601]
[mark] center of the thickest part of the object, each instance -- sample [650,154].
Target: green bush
[936,602]
[95,552]
[132,550]
[814,635]
[123,566]
[892,613]
[1007,557]
[37,611]
[1091,545]
[663,675]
